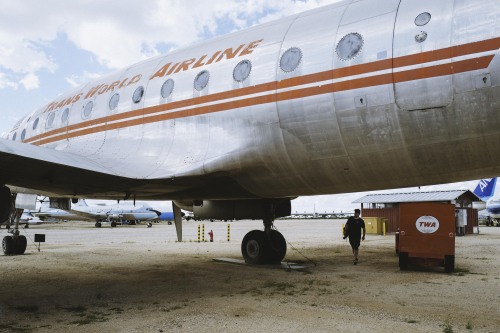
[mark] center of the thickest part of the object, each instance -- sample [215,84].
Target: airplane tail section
[485,189]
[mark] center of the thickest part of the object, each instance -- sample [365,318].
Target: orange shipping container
[427,235]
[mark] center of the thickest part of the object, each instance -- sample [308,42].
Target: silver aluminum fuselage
[401,112]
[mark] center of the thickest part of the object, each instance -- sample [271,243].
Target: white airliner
[114,213]
[485,190]
[47,213]
[358,95]
[100,213]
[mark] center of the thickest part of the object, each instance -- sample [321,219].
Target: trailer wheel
[403,261]
[449,264]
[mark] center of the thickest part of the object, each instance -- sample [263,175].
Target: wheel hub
[253,248]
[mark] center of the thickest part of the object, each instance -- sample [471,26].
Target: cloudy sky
[50,46]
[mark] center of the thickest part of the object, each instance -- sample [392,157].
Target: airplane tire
[20,245]
[254,247]
[98,224]
[113,224]
[277,248]
[8,245]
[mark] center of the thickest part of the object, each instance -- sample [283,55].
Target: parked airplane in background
[355,96]
[28,218]
[45,212]
[115,213]
[485,190]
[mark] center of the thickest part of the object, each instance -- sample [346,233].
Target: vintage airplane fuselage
[357,95]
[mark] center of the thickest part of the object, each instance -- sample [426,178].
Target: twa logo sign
[427,224]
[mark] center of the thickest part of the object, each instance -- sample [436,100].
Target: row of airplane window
[347,49]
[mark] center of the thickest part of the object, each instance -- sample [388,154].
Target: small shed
[386,205]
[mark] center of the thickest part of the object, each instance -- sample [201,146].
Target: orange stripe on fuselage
[99,125]
[376,80]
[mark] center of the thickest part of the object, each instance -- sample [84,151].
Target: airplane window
[290,59]
[167,88]
[87,109]
[23,134]
[349,46]
[201,80]
[138,93]
[64,116]
[242,70]
[422,19]
[35,123]
[14,137]
[50,120]
[113,101]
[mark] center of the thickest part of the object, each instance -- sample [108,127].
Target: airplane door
[422,76]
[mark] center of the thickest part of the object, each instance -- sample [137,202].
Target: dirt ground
[138,279]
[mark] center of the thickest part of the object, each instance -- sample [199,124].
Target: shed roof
[417,197]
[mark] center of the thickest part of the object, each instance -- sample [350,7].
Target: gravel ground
[138,279]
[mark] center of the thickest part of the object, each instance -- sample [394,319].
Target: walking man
[352,230]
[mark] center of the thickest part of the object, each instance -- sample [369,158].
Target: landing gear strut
[15,244]
[264,247]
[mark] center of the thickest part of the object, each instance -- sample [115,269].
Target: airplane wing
[88,215]
[33,167]
[57,173]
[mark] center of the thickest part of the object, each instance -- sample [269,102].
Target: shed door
[422,76]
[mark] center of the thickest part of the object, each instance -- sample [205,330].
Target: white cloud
[6,82]
[30,82]
[120,33]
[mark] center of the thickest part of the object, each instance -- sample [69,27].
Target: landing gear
[113,224]
[260,248]
[264,247]
[254,247]
[12,246]
[277,250]
[15,244]
[98,224]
